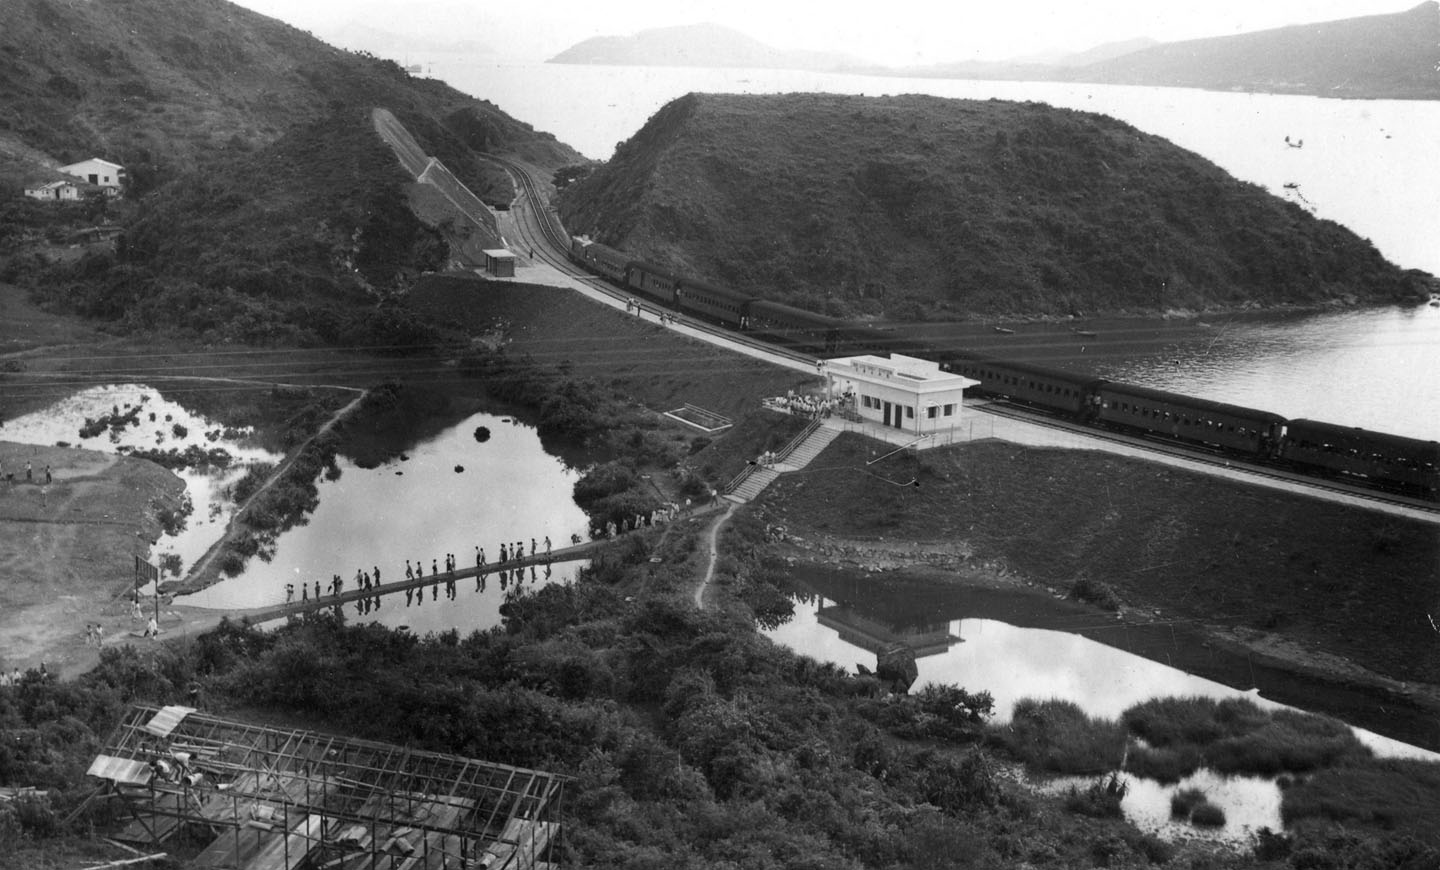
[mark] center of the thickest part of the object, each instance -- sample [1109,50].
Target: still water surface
[1014,663]
[420,507]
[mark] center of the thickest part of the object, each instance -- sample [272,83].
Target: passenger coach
[1054,390]
[1409,463]
[1186,418]
[599,259]
[720,304]
[652,281]
[793,327]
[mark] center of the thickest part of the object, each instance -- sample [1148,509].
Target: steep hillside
[263,205]
[1392,56]
[162,86]
[916,206]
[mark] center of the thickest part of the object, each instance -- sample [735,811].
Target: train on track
[1391,462]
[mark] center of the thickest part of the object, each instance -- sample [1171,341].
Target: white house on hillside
[54,191]
[101,173]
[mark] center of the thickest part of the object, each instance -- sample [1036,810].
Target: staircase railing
[780,456]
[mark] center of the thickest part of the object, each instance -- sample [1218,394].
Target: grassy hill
[916,206]
[262,206]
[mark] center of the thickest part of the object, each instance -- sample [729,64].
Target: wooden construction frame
[278,799]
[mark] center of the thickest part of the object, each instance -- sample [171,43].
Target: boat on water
[1084,333]
[1003,331]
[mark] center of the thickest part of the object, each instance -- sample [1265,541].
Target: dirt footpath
[68,547]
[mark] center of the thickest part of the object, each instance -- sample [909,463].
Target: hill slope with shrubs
[913,206]
[164,86]
[262,205]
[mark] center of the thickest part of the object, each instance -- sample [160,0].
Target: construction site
[272,799]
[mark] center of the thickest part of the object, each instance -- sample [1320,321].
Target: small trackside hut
[499,263]
[900,392]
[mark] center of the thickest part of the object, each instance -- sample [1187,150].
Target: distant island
[1390,56]
[700,45]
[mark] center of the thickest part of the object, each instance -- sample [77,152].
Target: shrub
[1057,737]
[1101,799]
[1184,801]
[1169,764]
[1096,592]
[1207,815]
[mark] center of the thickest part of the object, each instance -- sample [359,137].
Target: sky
[894,32]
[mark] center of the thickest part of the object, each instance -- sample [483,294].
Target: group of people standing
[29,473]
[367,581]
[635,307]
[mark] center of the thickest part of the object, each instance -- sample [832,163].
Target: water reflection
[447,495]
[465,604]
[1013,663]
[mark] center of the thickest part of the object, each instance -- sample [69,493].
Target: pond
[448,494]
[1014,662]
[148,421]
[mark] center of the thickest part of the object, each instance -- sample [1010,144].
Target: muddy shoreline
[951,585]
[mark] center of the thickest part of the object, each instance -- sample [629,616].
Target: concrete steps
[811,447]
[753,485]
[799,457]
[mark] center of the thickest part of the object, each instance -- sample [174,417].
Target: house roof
[91,160]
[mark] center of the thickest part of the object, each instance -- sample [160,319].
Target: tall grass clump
[1233,736]
[1207,815]
[1191,805]
[1401,795]
[1056,736]
[1291,742]
[1184,801]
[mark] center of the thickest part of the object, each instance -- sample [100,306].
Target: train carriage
[712,302]
[1407,463]
[794,327]
[1186,418]
[652,281]
[856,339]
[599,259]
[1054,390]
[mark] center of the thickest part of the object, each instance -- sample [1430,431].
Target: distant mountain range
[704,45]
[1377,56]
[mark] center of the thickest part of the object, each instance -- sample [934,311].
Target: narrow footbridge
[297,607]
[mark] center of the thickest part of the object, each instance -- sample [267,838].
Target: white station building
[901,392]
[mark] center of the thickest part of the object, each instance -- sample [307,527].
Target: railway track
[542,232]
[1213,458]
